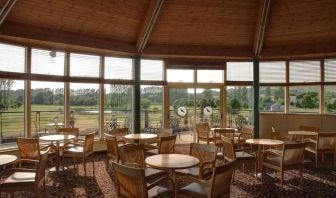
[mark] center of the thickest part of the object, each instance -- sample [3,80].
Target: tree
[235,104]
[145,103]
[308,101]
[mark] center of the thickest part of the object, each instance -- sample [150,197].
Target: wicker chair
[112,148]
[219,185]
[161,133]
[219,132]
[239,155]
[203,133]
[133,155]
[290,158]
[69,131]
[29,148]
[207,159]
[23,179]
[246,133]
[131,183]
[80,150]
[120,133]
[325,144]
[166,145]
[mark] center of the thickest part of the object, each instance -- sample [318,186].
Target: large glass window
[304,71]
[47,109]
[84,107]
[330,99]
[151,70]
[272,72]
[180,75]
[151,107]
[272,99]
[11,110]
[118,107]
[84,65]
[304,99]
[12,58]
[47,62]
[210,76]
[330,70]
[208,106]
[239,71]
[118,68]
[239,105]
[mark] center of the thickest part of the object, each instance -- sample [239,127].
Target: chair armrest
[74,143]
[271,152]
[134,165]
[207,162]
[155,183]
[27,161]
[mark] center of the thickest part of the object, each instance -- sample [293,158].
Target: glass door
[208,107]
[182,113]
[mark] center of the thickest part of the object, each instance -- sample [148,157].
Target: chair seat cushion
[273,160]
[154,173]
[158,191]
[75,149]
[241,155]
[152,152]
[20,177]
[194,171]
[310,150]
[195,190]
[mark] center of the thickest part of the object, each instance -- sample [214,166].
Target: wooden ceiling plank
[32,32]
[6,9]
[262,20]
[148,24]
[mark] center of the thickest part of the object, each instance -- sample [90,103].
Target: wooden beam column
[256,97]
[136,111]
[4,11]
[148,24]
[262,19]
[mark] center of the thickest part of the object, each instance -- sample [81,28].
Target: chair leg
[93,166]
[281,178]
[44,189]
[263,173]
[107,163]
[316,160]
[84,164]
[233,174]
[301,178]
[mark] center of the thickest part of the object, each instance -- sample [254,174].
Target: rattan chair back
[29,148]
[132,155]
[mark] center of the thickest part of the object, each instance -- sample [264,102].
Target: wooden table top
[264,142]
[141,136]
[222,129]
[302,133]
[7,159]
[57,137]
[56,124]
[172,161]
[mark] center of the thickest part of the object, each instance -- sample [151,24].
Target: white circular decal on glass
[181,111]
[207,111]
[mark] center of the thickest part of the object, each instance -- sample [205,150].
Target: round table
[140,137]
[57,138]
[7,159]
[262,143]
[171,162]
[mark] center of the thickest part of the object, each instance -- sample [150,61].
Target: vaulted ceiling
[212,29]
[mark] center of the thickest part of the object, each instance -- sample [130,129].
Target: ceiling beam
[262,20]
[148,24]
[18,30]
[6,9]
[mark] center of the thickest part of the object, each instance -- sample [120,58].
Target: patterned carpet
[320,183]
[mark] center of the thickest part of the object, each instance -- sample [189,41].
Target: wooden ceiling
[198,29]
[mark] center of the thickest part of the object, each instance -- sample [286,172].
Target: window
[330,70]
[304,71]
[304,99]
[180,75]
[271,99]
[47,62]
[240,71]
[151,107]
[151,70]
[272,72]
[47,109]
[118,106]
[12,58]
[208,106]
[118,68]
[330,99]
[84,106]
[239,105]
[84,65]
[11,110]
[210,76]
